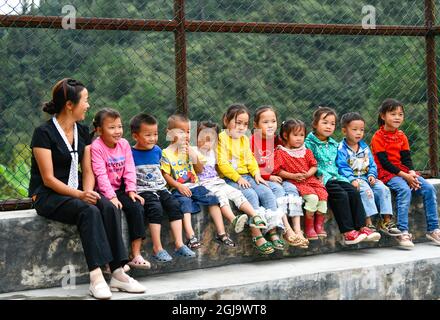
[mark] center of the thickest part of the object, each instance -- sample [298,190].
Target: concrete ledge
[36,253]
[381,274]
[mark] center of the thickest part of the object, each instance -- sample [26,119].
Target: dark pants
[99,227]
[158,202]
[346,204]
[134,212]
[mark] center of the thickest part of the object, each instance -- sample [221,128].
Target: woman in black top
[60,192]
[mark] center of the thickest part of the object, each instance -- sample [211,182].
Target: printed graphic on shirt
[359,162]
[116,164]
[149,178]
[180,169]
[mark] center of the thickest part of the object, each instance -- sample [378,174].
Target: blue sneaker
[162,256]
[185,252]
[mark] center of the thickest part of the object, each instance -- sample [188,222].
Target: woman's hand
[243,183]
[276,179]
[259,179]
[90,197]
[134,196]
[116,203]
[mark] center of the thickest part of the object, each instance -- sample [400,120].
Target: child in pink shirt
[115,173]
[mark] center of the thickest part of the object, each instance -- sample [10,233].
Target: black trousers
[99,227]
[158,202]
[346,204]
[134,212]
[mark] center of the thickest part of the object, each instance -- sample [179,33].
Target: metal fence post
[431,73]
[180,52]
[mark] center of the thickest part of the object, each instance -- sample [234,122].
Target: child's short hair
[388,105]
[322,110]
[349,117]
[233,111]
[207,124]
[104,113]
[260,110]
[177,117]
[139,119]
[291,125]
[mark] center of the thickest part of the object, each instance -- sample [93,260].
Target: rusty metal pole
[431,72]
[180,51]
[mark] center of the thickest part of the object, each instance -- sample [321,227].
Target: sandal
[139,262]
[239,222]
[185,252]
[265,248]
[278,244]
[294,241]
[305,241]
[193,243]
[257,222]
[162,256]
[225,240]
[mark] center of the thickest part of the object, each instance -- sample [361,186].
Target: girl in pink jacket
[115,174]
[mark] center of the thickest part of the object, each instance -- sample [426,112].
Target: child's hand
[355,183]
[184,190]
[371,180]
[243,183]
[276,179]
[259,179]
[413,173]
[299,176]
[90,197]
[116,203]
[134,196]
[412,181]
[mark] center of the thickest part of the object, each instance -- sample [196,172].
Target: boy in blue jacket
[356,163]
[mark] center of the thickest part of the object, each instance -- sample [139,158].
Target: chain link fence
[229,54]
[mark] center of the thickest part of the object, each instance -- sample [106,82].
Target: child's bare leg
[227,213]
[176,230]
[296,222]
[217,217]
[155,237]
[136,247]
[386,218]
[289,231]
[368,221]
[187,225]
[247,208]
[255,232]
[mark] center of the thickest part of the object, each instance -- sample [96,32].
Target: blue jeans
[378,194]
[403,201]
[281,190]
[257,194]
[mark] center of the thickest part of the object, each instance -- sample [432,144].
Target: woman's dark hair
[260,110]
[207,124]
[63,91]
[291,125]
[233,111]
[102,114]
[326,111]
[388,105]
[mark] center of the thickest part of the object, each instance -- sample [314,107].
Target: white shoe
[132,286]
[100,290]
[434,236]
[405,240]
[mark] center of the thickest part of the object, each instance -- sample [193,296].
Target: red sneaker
[354,237]
[371,235]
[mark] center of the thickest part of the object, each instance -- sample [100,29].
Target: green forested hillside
[134,71]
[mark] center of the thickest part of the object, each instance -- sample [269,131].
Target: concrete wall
[38,253]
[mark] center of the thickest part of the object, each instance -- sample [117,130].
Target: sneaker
[372,236]
[239,222]
[389,228]
[434,236]
[354,237]
[405,240]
